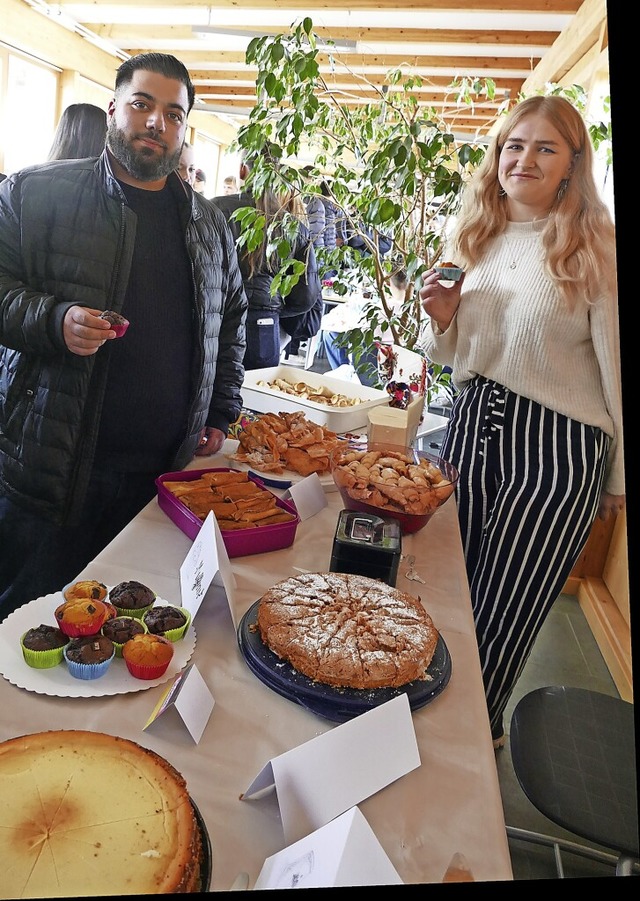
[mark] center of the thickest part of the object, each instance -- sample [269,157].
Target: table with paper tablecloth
[449,804]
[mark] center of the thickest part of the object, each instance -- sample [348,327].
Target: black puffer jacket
[66,238]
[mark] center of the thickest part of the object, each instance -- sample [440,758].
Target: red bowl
[357,494]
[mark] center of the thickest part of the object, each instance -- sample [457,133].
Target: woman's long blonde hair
[579,237]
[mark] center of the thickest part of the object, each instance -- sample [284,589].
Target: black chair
[573,753]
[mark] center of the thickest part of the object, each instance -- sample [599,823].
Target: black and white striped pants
[529,488]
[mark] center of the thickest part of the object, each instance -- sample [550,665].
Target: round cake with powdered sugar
[347,630]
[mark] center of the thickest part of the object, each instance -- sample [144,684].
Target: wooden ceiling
[520,44]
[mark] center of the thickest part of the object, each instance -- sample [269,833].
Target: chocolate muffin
[89,649]
[163,619]
[122,628]
[117,322]
[89,656]
[44,638]
[131,595]
[43,646]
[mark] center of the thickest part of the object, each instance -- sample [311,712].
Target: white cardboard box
[337,419]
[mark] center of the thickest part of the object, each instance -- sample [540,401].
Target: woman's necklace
[514,257]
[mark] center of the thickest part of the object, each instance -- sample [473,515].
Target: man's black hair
[162,64]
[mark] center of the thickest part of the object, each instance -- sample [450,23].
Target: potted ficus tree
[392,167]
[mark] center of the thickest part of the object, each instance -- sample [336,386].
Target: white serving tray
[337,419]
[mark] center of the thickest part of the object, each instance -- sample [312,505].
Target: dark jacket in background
[74,246]
[296,313]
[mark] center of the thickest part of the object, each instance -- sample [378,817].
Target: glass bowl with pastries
[252,520]
[392,481]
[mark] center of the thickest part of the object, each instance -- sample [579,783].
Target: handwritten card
[207,562]
[190,697]
[345,852]
[322,778]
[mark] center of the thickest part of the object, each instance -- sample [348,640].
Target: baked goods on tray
[275,442]
[90,814]
[347,630]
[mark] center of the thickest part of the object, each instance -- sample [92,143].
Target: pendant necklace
[514,258]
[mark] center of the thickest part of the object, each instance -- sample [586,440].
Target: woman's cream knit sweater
[512,327]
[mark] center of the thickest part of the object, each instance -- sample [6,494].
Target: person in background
[531,333]
[230,185]
[88,420]
[266,312]
[81,132]
[200,183]
[187,164]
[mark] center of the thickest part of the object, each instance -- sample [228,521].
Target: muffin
[147,656]
[83,617]
[117,322]
[89,656]
[121,629]
[131,598]
[172,622]
[42,646]
[449,272]
[89,589]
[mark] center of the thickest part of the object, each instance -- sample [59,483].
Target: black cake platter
[335,704]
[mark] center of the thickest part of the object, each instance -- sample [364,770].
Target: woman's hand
[211,440]
[438,302]
[610,504]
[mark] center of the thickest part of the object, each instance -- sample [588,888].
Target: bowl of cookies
[392,481]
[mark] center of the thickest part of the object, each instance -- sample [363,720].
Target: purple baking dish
[239,543]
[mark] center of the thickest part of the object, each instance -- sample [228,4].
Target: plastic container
[240,543]
[337,419]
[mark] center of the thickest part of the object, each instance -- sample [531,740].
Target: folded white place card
[344,852]
[324,777]
[308,496]
[207,562]
[191,699]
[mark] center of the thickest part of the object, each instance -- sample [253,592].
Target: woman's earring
[502,192]
[563,188]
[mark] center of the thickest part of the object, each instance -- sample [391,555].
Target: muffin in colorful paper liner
[160,617]
[85,589]
[124,628]
[94,655]
[117,322]
[147,656]
[43,657]
[449,272]
[132,598]
[81,617]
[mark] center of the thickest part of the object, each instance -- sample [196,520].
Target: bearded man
[88,420]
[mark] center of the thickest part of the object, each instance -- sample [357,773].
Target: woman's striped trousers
[529,488]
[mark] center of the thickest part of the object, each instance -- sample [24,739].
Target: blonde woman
[531,334]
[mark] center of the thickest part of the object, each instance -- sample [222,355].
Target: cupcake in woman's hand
[117,322]
[132,598]
[172,622]
[449,272]
[82,617]
[121,628]
[89,657]
[147,656]
[42,646]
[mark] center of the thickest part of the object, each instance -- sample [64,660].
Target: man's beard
[143,165]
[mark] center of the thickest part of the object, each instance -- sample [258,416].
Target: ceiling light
[211,31]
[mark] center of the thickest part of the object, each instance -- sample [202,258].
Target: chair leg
[623,865]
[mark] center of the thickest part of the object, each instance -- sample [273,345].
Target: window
[29,112]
